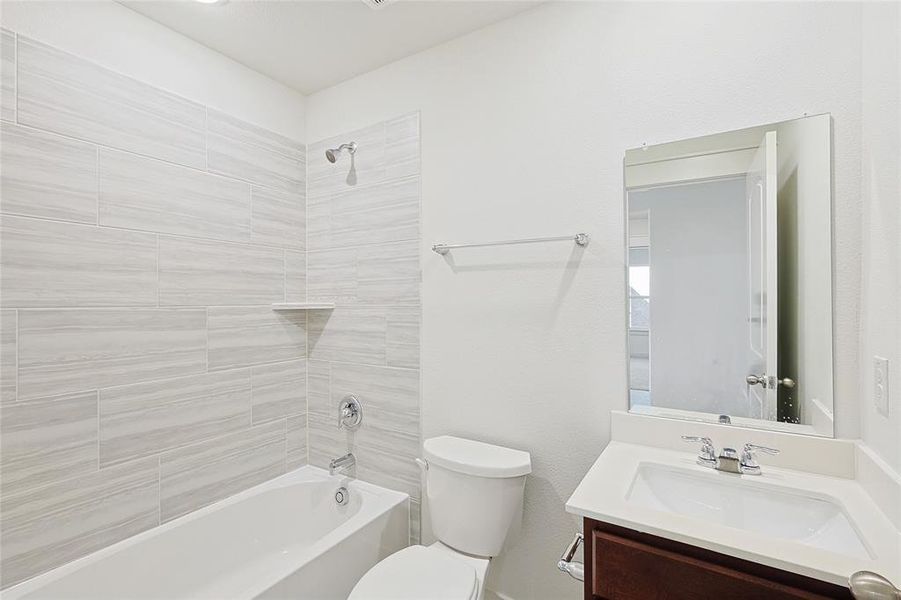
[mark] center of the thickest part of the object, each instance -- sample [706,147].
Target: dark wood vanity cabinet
[623,564]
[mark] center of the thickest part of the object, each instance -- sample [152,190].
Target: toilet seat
[417,573]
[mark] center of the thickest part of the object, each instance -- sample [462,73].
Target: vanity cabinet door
[621,567]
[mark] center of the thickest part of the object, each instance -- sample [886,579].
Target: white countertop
[603,495]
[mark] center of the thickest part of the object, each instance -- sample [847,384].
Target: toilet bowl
[474,491]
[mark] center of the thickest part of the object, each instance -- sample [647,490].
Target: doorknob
[866,585]
[764,381]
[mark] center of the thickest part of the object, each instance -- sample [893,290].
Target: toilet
[474,492]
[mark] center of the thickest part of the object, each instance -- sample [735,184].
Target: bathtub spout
[341,464]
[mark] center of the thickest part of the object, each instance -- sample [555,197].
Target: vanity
[625,563]
[657,524]
[724,480]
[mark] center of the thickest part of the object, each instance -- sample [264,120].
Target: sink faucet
[342,463]
[728,460]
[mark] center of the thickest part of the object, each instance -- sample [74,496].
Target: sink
[753,506]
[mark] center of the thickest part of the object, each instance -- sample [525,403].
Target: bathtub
[286,538]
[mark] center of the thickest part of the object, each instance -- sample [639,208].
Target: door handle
[756,380]
[764,381]
[866,585]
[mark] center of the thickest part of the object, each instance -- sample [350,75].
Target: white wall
[700,351]
[120,39]
[881,192]
[524,125]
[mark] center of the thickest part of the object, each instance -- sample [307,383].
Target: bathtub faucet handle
[350,412]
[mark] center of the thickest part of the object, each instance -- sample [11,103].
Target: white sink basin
[740,502]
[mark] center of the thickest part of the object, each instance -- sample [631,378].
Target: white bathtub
[286,538]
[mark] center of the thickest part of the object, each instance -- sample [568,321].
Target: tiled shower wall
[363,255]
[144,374]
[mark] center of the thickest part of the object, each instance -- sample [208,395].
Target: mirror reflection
[729,277]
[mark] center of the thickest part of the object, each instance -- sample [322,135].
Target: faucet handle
[707,455]
[751,448]
[749,464]
[350,412]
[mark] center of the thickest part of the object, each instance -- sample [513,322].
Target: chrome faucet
[728,460]
[342,463]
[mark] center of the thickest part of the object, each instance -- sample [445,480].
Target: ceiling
[310,45]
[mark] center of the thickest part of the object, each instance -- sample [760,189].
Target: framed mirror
[729,277]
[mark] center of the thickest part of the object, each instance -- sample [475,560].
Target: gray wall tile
[348,334]
[245,151]
[7,356]
[382,213]
[63,93]
[402,338]
[148,418]
[295,276]
[49,526]
[46,440]
[144,193]
[201,273]
[402,146]
[279,218]
[384,274]
[106,192]
[319,377]
[50,264]
[251,335]
[46,175]
[198,475]
[279,391]
[7,75]
[64,351]
[296,442]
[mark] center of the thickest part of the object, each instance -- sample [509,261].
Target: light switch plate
[880,385]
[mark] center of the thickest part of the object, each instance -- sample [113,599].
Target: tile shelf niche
[303,306]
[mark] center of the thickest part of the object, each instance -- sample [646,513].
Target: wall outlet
[880,385]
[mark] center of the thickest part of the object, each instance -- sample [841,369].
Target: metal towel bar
[581,239]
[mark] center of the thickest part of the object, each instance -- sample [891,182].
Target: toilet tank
[474,490]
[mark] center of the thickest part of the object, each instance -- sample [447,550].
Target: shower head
[332,153]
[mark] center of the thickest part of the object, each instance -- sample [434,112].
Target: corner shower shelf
[303,306]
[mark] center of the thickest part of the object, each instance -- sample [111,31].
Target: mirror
[729,277]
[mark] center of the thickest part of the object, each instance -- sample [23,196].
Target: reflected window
[639,289]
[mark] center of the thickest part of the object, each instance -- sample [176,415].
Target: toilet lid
[416,573]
